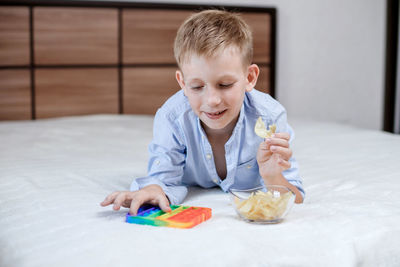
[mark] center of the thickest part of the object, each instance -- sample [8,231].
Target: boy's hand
[273,156]
[152,194]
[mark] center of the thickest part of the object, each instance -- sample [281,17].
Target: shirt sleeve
[167,154]
[291,174]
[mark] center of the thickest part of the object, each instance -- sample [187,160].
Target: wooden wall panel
[14,36]
[146,89]
[77,63]
[75,35]
[15,95]
[149,34]
[263,82]
[64,92]
[260,23]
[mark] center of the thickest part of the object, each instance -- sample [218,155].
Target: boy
[204,134]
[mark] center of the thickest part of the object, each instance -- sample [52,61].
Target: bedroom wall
[330,58]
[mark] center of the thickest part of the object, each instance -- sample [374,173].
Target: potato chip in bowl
[263,205]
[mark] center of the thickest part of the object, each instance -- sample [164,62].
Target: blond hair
[207,32]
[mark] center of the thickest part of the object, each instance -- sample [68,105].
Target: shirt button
[248,166]
[215,180]
[208,156]
[157,162]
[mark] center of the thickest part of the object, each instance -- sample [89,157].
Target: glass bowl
[262,205]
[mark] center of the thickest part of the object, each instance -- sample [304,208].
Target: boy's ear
[179,78]
[252,75]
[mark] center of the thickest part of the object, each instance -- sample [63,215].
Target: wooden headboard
[67,58]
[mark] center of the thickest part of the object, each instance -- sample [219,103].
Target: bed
[55,172]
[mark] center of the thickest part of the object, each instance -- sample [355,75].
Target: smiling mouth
[215,115]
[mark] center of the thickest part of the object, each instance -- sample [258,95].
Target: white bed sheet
[54,173]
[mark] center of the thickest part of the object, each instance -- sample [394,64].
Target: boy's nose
[213,97]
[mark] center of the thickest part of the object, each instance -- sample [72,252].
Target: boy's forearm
[281,180]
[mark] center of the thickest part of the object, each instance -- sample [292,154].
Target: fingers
[120,198]
[263,153]
[135,205]
[148,194]
[284,164]
[109,199]
[264,146]
[285,153]
[161,201]
[285,136]
[153,194]
[277,142]
[164,204]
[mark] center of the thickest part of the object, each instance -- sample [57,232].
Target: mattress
[55,172]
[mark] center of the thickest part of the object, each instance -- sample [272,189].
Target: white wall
[330,63]
[331,60]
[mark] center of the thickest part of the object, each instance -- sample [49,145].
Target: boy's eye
[223,85]
[196,87]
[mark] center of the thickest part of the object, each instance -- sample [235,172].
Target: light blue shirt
[181,156]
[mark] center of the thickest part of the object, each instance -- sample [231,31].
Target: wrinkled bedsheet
[55,172]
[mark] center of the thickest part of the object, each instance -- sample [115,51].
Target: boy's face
[215,87]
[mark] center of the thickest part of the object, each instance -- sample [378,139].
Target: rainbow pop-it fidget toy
[178,217]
